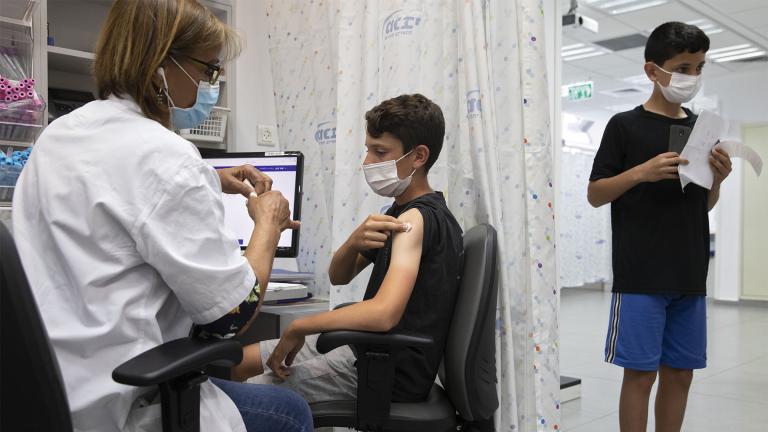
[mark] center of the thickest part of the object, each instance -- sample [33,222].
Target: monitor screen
[285,169]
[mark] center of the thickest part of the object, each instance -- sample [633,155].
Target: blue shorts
[649,330]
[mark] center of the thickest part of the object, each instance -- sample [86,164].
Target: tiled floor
[730,395]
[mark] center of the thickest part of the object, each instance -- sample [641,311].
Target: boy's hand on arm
[373,233]
[661,167]
[379,314]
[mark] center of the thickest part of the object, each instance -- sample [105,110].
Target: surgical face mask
[383,179]
[188,118]
[682,87]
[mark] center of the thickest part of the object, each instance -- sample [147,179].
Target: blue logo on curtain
[326,133]
[474,107]
[400,23]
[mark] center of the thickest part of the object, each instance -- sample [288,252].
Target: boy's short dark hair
[413,119]
[673,38]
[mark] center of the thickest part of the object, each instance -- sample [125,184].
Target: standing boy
[660,234]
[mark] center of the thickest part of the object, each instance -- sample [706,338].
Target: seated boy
[416,250]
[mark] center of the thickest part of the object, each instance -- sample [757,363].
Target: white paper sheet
[735,148]
[709,129]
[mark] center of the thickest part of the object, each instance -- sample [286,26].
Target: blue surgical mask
[188,118]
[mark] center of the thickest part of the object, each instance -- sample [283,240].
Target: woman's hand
[233,180]
[271,208]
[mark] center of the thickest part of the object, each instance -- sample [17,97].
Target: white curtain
[483,62]
[303,40]
[584,233]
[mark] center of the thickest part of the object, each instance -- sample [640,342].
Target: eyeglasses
[212,71]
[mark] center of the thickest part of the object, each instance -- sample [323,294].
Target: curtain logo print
[400,23]
[474,107]
[326,133]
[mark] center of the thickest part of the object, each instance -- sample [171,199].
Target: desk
[273,320]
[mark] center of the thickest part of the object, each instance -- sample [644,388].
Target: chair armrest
[329,341]
[175,358]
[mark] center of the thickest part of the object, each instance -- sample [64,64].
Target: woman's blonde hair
[139,35]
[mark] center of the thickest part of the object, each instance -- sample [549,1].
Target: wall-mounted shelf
[6,143]
[69,60]
[73,27]
[18,12]
[19,23]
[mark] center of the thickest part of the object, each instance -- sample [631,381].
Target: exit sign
[578,91]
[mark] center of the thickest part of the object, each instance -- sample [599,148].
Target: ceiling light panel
[572,46]
[706,26]
[583,56]
[636,7]
[578,51]
[741,56]
[729,48]
[733,53]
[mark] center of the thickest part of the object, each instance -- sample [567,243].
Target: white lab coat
[119,224]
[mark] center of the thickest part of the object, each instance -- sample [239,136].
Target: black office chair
[469,398]
[33,393]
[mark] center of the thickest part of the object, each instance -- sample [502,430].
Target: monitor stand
[289,264]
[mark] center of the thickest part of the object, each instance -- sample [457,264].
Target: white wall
[743,99]
[742,95]
[255,101]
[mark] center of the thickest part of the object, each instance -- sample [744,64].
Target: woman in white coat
[119,224]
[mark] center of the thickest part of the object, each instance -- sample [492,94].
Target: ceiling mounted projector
[576,20]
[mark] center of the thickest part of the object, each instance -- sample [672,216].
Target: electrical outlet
[267,135]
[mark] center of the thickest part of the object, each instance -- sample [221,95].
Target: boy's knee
[638,378]
[680,377]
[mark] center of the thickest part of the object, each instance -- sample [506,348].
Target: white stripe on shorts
[614,332]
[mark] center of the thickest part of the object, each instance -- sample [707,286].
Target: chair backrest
[469,364]
[33,394]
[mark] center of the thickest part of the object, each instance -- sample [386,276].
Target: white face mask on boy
[383,179]
[681,88]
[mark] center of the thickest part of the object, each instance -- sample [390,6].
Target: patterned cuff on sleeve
[230,324]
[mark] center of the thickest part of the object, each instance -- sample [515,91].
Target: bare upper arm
[395,290]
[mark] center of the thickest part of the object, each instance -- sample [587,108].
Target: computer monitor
[286,170]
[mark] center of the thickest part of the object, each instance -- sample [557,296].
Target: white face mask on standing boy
[681,88]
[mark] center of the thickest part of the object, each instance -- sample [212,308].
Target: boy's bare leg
[633,404]
[251,364]
[671,398]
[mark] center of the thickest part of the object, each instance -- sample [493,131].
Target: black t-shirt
[660,232]
[430,308]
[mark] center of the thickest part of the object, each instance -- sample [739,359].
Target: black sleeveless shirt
[430,308]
